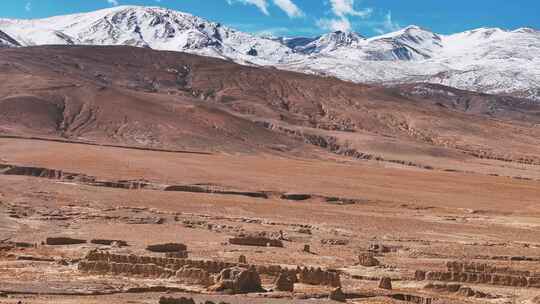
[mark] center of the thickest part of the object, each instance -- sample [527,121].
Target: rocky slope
[487,60]
[137,96]
[7,41]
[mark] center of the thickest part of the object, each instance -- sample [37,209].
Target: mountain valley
[151,156]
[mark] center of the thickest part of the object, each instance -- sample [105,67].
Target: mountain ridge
[488,60]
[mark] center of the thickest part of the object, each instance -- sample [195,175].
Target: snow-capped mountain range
[488,60]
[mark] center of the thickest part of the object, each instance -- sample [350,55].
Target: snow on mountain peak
[486,59]
[410,43]
[331,42]
[153,27]
[342,38]
[527,30]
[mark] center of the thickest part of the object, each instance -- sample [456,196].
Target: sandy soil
[426,217]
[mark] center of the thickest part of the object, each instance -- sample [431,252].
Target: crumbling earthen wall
[194,276]
[317,276]
[127,269]
[170,263]
[459,289]
[479,273]
[412,298]
[368,260]
[256,240]
[108,263]
[472,267]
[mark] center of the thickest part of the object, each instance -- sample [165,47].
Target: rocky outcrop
[214,190]
[7,245]
[45,172]
[385,283]
[81,178]
[117,243]
[295,196]
[73,177]
[256,240]
[368,260]
[238,280]
[168,247]
[34,258]
[317,276]
[123,184]
[285,282]
[56,241]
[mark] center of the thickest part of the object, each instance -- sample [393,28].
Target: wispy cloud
[342,15]
[291,9]
[262,5]
[343,10]
[28,6]
[342,24]
[388,25]
[288,6]
[113,2]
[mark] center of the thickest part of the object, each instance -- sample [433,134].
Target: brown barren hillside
[165,99]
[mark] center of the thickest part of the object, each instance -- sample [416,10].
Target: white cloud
[333,25]
[291,9]
[288,6]
[343,10]
[388,25]
[261,4]
[28,6]
[113,2]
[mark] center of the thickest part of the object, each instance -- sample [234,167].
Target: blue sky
[313,17]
